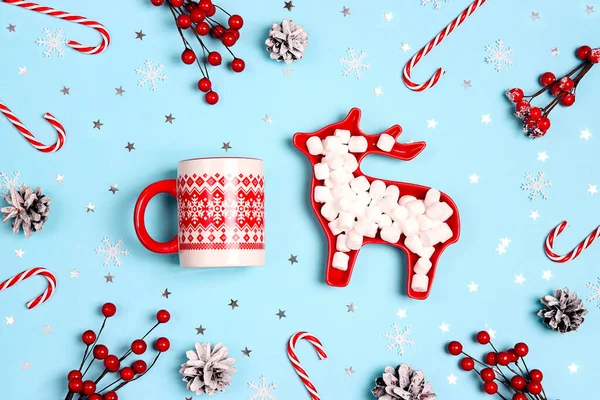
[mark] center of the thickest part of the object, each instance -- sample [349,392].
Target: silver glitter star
[165,293]
[345,11]
[233,304]
[534,16]
[226,146]
[109,278]
[287,71]
[130,146]
[554,52]
[589,10]
[268,119]
[65,91]
[97,125]
[466,84]
[169,118]
[11,28]
[281,314]
[140,35]
[114,189]
[350,371]
[25,367]
[352,307]
[293,259]
[200,330]
[119,91]
[246,352]
[289,5]
[47,329]
[90,208]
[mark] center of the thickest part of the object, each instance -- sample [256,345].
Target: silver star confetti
[74,273]
[90,208]
[130,146]
[293,259]
[233,304]
[287,71]
[11,28]
[65,91]
[226,146]
[97,125]
[113,189]
[140,35]
[169,118]
[246,352]
[165,293]
[345,11]
[534,16]
[200,330]
[350,371]
[589,10]
[119,91]
[466,84]
[109,278]
[289,5]
[268,119]
[47,329]
[281,314]
[352,307]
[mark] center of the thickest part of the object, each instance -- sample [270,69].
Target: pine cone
[208,371]
[563,312]
[287,41]
[29,208]
[403,383]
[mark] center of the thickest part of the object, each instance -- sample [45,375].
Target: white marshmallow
[343,150]
[358,208]
[340,261]
[364,226]
[390,234]
[415,208]
[357,144]
[363,198]
[420,283]
[343,134]
[385,142]
[422,266]
[339,177]
[404,200]
[387,205]
[399,213]
[413,243]
[426,223]
[448,211]
[322,194]
[439,234]
[426,252]
[333,227]
[373,212]
[360,184]
[314,145]
[343,191]
[354,240]
[409,226]
[439,211]
[334,160]
[392,192]
[321,171]
[346,221]
[383,221]
[344,204]
[350,163]
[324,152]
[377,190]
[432,197]
[329,183]
[333,143]
[373,231]
[340,243]
[329,212]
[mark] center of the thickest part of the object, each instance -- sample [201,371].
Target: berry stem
[220,8]
[476,360]
[545,88]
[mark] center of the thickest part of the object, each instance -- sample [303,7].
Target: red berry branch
[535,119]
[88,389]
[516,378]
[196,17]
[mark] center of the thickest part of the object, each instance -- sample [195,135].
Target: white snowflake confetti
[435,3]
[354,64]
[399,339]
[7,183]
[112,252]
[262,389]
[595,294]
[151,74]
[536,186]
[499,55]
[54,42]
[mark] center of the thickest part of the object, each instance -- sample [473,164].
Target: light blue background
[315,95]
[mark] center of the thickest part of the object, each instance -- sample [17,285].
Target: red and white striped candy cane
[291,350]
[573,253]
[72,18]
[434,42]
[27,274]
[60,130]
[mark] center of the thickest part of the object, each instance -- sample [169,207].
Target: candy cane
[27,274]
[60,130]
[72,18]
[434,42]
[573,253]
[296,363]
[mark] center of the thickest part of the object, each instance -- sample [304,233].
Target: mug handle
[166,186]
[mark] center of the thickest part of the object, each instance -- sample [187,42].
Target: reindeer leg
[334,276]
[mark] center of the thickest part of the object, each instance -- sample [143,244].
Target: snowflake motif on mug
[399,339]
[112,252]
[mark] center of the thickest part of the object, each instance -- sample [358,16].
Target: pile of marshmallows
[356,209]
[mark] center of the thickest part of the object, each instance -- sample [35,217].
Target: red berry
[218,31]
[555,89]
[483,337]
[519,396]
[512,355]
[177,3]
[515,95]
[583,51]
[109,309]
[111,396]
[228,39]
[544,124]
[236,21]
[205,5]
[211,97]
[100,352]
[594,56]
[518,382]
[204,84]
[163,316]
[467,364]
[76,385]
[567,100]
[490,387]
[112,363]
[95,396]
[212,11]
[89,387]
[490,358]
[138,346]
[191,6]
[197,15]
[535,113]
[503,358]
[188,56]
[454,348]
[487,374]
[235,33]
[547,78]
[214,58]
[139,366]
[521,349]
[522,106]
[127,373]
[88,337]
[162,344]
[184,21]
[534,388]
[202,29]
[566,84]
[74,375]
[536,375]
[157,3]
[238,65]
[530,123]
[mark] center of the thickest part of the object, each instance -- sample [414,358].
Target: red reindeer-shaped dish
[401,151]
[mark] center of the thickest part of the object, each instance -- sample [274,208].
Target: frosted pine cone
[287,41]
[208,371]
[29,209]
[403,383]
[563,312]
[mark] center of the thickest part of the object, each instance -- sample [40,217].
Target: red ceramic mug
[221,211]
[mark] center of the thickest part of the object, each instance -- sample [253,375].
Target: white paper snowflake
[398,339]
[54,42]
[595,294]
[436,3]
[151,74]
[536,186]
[499,55]
[354,64]
[7,183]
[112,252]
[262,390]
